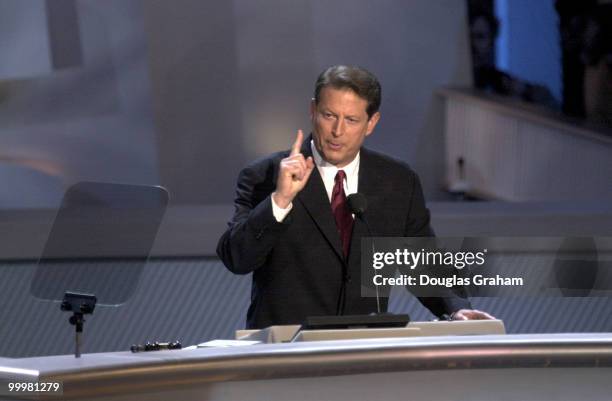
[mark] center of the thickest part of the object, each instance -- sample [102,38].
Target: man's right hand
[293,174]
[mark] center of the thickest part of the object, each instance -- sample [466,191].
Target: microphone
[358,204]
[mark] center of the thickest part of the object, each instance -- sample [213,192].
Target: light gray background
[184,93]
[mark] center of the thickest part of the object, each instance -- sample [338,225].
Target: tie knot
[340,176]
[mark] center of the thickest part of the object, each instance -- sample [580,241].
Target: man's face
[340,124]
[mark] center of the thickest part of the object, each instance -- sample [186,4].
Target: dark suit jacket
[298,264]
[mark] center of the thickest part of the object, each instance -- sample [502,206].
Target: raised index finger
[297,145]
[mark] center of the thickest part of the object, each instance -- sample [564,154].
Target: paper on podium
[459,327]
[227,343]
[272,334]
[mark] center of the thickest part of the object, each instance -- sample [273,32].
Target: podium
[562,367]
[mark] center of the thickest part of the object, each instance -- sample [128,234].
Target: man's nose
[338,128]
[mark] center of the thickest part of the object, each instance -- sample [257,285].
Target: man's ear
[372,122]
[313,108]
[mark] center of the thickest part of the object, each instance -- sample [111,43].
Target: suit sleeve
[253,231]
[418,225]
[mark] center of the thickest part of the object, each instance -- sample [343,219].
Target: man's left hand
[471,314]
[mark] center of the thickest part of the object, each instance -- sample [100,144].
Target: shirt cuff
[278,212]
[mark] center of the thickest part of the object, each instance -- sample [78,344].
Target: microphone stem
[362,218]
[375,286]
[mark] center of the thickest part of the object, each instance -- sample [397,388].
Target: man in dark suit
[292,227]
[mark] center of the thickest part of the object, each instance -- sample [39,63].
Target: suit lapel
[368,186]
[314,199]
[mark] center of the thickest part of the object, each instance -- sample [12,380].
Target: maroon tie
[342,214]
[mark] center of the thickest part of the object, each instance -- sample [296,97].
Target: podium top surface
[124,370]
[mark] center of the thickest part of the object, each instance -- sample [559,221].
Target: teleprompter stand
[80,305]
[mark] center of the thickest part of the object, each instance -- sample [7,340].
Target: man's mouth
[334,146]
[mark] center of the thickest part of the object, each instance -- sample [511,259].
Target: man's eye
[328,115]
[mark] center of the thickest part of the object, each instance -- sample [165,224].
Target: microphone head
[357,203]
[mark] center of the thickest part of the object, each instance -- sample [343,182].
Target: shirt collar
[329,170]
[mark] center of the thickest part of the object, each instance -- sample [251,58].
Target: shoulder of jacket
[262,170]
[386,162]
